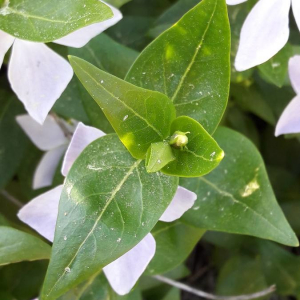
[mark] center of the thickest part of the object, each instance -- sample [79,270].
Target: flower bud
[179,139]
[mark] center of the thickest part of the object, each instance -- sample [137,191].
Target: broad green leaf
[13,141]
[202,153]
[275,69]
[158,155]
[174,242]
[16,246]
[140,117]
[237,196]
[190,64]
[173,294]
[241,275]
[48,20]
[109,203]
[280,267]
[171,16]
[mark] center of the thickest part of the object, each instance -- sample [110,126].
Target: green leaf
[48,20]
[174,243]
[140,117]
[13,141]
[202,154]
[158,155]
[190,64]
[16,246]
[275,69]
[280,267]
[236,275]
[108,204]
[117,3]
[237,196]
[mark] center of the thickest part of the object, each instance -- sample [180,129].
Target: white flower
[37,74]
[265,31]
[289,121]
[123,273]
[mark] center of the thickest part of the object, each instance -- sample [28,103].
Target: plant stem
[11,198]
[203,294]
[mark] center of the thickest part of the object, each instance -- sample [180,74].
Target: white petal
[6,41]
[41,212]
[124,272]
[47,136]
[294,72]
[289,121]
[44,173]
[38,76]
[296,10]
[82,137]
[79,38]
[264,33]
[182,201]
[234,2]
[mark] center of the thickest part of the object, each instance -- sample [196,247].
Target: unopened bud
[179,139]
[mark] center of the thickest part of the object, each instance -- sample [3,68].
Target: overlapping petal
[289,121]
[296,11]
[6,41]
[41,212]
[264,33]
[38,76]
[82,137]
[294,73]
[124,272]
[182,202]
[44,173]
[47,136]
[82,36]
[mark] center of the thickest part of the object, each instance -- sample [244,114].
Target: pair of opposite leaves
[144,121]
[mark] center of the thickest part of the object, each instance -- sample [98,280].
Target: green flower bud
[179,139]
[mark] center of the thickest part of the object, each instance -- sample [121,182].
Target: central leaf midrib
[113,193]
[194,56]
[116,98]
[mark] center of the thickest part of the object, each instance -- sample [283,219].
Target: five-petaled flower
[37,74]
[265,31]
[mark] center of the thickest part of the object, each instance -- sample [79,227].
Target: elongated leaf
[237,196]
[140,117]
[202,153]
[117,3]
[108,204]
[190,63]
[174,242]
[48,20]
[16,246]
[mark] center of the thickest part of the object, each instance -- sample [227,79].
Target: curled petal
[38,76]
[182,201]
[234,2]
[44,173]
[6,41]
[294,72]
[124,272]
[296,11]
[289,121]
[82,36]
[264,33]
[82,137]
[41,212]
[47,136]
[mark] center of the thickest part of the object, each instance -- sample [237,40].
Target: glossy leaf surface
[140,117]
[201,155]
[109,203]
[190,63]
[237,196]
[48,20]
